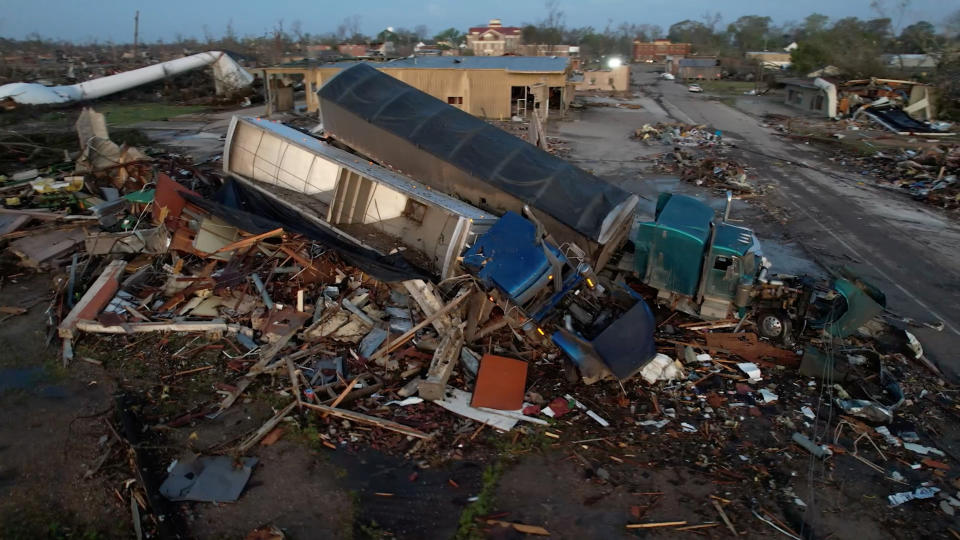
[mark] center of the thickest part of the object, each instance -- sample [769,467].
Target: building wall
[658,50]
[350,49]
[806,99]
[705,73]
[480,92]
[500,45]
[608,80]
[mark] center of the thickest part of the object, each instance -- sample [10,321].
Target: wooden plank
[267,354]
[267,427]
[387,348]
[655,525]
[441,366]
[34,250]
[95,299]
[363,418]
[239,244]
[138,328]
[425,295]
[9,224]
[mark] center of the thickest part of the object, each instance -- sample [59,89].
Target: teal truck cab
[715,270]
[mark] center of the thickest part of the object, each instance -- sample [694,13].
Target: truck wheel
[775,325]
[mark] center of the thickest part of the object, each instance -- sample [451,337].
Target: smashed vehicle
[716,270]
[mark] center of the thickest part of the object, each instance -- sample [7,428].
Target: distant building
[353,49]
[770,60]
[658,49]
[605,80]
[494,39]
[490,87]
[915,64]
[696,68]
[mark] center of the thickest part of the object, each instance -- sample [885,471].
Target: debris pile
[929,175]
[218,305]
[698,156]
[925,169]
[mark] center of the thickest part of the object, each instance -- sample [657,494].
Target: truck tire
[775,326]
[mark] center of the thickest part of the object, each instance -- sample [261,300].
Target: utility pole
[136,32]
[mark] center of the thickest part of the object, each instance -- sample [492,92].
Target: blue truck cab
[514,259]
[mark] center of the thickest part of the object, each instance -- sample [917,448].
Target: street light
[614,62]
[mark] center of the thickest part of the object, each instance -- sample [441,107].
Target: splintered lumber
[240,244]
[425,295]
[363,418]
[520,527]
[95,299]
[267,354]
[267,427]
[695,527]
[387,348]
[142,327]
[441,366]
[36,250]
[655,525]
[723,515]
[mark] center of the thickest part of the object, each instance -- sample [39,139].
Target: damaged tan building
[486,86]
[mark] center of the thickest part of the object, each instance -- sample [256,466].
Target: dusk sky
[112,20]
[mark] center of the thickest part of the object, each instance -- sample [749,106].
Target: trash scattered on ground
[222,294]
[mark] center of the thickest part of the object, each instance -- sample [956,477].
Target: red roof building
[494,39]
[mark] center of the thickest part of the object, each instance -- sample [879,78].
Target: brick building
[494,39]
[658,49]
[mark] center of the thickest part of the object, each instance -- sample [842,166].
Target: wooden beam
[240,244]
[363,418]
[655,525]
[387,348]
[267,427]
[137,328]
[441,366]
[95,299]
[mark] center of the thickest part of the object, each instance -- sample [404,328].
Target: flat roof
[385,176]
[508,63]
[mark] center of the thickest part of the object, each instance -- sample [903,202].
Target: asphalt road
[909,250]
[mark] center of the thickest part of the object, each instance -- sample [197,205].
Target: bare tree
[891,9]
[349,28]
[711,21]
[421,32]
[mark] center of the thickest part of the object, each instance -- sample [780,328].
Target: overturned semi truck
[465,157]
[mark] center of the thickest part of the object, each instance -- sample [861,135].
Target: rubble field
[925,169]
[261,384]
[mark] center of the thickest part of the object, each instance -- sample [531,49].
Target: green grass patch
[468,529]
[124,114]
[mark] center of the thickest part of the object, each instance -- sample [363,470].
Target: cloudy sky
[112,20]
